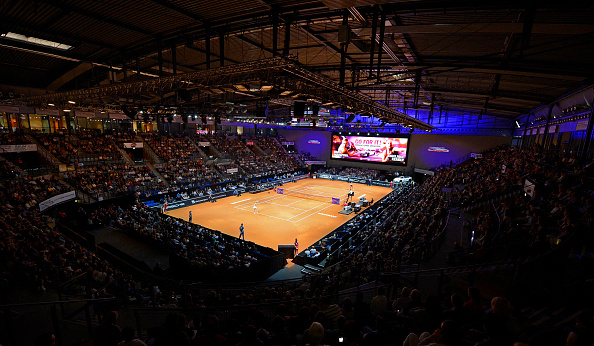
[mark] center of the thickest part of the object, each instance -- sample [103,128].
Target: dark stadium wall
[429,150]
[317,143]
[425,151]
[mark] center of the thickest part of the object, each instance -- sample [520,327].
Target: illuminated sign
[439,149]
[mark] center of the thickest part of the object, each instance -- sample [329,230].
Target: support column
[174,58]
[274,33]
[381,45]
[523,146]
[373,34]
[160,58]
[221,49]
[589,132]
[124,68]
[546,132]
[207,43]
[343,50]
[287,46]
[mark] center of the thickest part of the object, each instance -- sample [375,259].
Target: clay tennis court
[281,217]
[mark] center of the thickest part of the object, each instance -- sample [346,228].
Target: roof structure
[500,59]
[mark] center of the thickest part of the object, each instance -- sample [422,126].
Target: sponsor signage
[280,191]
[232,170]
[249,143]
[424,171]
[204,144]
[59,199]
[288,143]
[315,162]
[17,148]
[118,116]
[10,109]
[133,145]
[439,149]
[55,112]
[196,200]
[353,179]
[476,155]
[335,200]
[529,187]
[313,141]
[84,114]
[582,125]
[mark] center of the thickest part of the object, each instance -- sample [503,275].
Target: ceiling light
[72,102]
[266,87]
[36,41]
[67,110]
[286,93]
[51,104]
[241,87]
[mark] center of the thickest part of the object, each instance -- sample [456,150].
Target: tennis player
[256,207]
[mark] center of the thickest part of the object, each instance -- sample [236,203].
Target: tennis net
[304,195]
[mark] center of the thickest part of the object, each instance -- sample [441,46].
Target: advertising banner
[59,199]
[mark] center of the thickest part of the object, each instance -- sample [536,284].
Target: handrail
[377,229]
[67,283]
[93,300]
[498,222]
[453,268]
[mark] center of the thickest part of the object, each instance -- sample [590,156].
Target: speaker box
[184,95]
[344,34]
[315,109]
[298,109]
[287,250]
[130,113]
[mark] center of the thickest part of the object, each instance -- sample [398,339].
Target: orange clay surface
[281,218]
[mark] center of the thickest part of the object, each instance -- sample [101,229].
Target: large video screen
[376,149]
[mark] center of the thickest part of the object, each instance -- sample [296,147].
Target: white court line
[362,195]
[327,215]
[329,187]
[303,218]
[285,205]
[300,199]
[243,200]
[263,200]
[276,217]
[310,209]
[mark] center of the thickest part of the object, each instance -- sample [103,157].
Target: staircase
[149,152]
[44,152]
[216,151]
[79,194]
[125,155]
[310,269]
[197,148]
[152,167]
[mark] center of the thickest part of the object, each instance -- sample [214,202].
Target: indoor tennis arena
[279,173]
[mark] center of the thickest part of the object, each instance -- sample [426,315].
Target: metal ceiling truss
[280,71]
